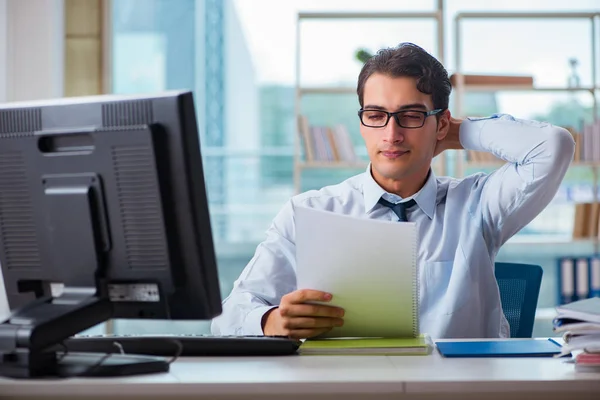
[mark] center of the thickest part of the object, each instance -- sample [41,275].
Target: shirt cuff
[253,322]
[471,130]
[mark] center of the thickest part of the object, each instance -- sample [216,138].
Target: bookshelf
[463,82]
[301,164]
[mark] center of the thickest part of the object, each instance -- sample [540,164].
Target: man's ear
[443,125]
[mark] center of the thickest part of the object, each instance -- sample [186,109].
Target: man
[462,223]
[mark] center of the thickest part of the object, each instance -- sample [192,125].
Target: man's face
[396,153]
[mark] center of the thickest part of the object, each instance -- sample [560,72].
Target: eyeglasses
[410,119]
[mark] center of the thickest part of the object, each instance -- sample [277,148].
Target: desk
[330,377]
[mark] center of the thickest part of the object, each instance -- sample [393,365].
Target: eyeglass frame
[395,115]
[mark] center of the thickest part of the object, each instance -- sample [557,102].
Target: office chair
[519,286]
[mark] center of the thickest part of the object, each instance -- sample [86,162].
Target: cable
[178,352]
[65,352]
[106,356]
[120,347]
[95,366]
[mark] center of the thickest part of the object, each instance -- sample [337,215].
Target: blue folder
[500,348]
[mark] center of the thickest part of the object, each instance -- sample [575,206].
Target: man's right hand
[297,319]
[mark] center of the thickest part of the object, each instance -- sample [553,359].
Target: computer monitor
[103,214]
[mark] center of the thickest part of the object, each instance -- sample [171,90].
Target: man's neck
[404,187]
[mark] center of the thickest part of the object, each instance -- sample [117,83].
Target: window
[244,91]
[238,56]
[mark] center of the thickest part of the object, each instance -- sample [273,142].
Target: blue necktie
[398,208]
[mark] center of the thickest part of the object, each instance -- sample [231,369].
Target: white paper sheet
[369,266]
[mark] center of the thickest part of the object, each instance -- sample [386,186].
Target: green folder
[421,345]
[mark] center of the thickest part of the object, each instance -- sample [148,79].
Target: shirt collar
[426,198]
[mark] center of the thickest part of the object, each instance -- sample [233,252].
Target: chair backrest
[519,286]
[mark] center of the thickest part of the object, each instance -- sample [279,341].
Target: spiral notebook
[369,266]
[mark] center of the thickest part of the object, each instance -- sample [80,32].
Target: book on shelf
[493,80]
[325,143]
[594,219]
[587,142]
[586,223]
[306,137]
[577,157]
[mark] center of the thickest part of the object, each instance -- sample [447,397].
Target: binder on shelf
[566,280]
[578,278]
[595,277]
[582,278]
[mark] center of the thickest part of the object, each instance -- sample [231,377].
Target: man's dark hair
[408,59]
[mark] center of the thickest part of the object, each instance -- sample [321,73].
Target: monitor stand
[31,334]
[18,365]
[30,340]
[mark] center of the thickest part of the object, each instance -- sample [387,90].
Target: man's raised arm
[538,155]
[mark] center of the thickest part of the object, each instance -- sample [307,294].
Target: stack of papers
[368,346]
[579,322]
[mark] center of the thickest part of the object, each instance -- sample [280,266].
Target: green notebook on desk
[421,345]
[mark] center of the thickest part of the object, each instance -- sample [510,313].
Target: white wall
[3,55]
[3,18]
[33,61]
[3,302]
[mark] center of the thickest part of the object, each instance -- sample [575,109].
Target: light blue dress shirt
[462,223]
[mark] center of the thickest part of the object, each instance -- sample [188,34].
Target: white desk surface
[320,377]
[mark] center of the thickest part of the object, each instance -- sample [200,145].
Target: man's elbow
[562,146]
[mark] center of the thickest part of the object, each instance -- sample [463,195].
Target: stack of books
[326,144]
[579,323]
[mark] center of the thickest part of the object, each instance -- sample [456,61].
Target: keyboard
[191,345]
